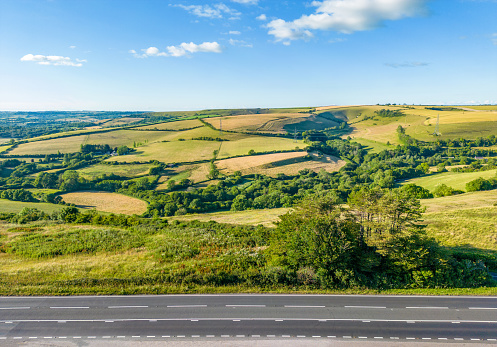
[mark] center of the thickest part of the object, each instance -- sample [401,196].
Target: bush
[479,184]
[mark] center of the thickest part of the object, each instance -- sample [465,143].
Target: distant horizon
[242,108]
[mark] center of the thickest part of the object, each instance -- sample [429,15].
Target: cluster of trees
[375,242]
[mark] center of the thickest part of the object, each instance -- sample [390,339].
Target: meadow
[16,206]
[129,170]
[175,126]
[456,180]
[106,202]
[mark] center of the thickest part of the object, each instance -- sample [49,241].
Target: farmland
[106,202]
[456,180]
[177,169]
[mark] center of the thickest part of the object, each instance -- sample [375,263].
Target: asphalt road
[218,317]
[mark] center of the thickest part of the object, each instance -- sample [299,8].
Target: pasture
[73,143]
[172,152]
[16,206]
[456,180]
[129,170]
[106,202]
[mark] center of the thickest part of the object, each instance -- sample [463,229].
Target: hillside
[246,168]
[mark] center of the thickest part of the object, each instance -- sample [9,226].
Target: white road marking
[364,306]
[281,320]
[483,308]
[195,335]
[225,336]
[347,337]
[193,320]
[378,337]
[410,338]
[300,335]
[428,307]
[33,337]
[93,337]
[442,338]
[394,338]
[458,338]
[271,336]
[185,306]
[137,337]
[426,338]
[153,320]
[236,320]
[68,307]
[47,337]
[256,335]
[363,337]
[475,339]
[15,308]
[127,307]
[331,336]
[296,306]
[285,335]
[76,337]
[150,336]
[316,336]
[210,335]
[240,335]
[245,305]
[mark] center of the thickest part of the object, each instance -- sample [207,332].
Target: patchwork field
[456,180]
[106,202]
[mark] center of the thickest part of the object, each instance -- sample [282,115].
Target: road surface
[242,317]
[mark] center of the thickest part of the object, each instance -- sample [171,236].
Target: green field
[130,170]
[73,143]
[456,180]
[17,206]
[184,124]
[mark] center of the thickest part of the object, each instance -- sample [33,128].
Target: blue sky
[192,54]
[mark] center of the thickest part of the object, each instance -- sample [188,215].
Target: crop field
[73,143]
[17,206]
[482,107]
[130,170]
[106,202]
[178,125]
[172,152]
[121,121]
[456,180]
[272,164]
[258,144]
[267,217]
[372,146]
[252,122]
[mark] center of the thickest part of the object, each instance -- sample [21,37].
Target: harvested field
[178,125]
[258,144]
[287,163]
[121,121]
[254,122]
[106,202]
[265,217]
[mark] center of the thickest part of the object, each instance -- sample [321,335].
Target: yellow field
[255,122]
[258,144]
[460,202]
[106,202]
[272,164]
[184,124]
[250,217]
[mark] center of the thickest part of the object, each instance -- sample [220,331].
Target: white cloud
[346,16]
[240,43]
[179,51]
[409,64]
[52,60]
[261,17]
[234,32]
[248,2]
[208,11]
[72,47]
